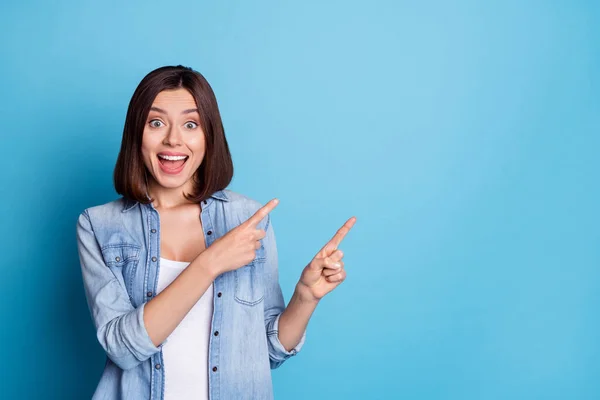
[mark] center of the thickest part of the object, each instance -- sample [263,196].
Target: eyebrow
[188,111]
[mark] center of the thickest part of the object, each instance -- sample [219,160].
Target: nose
[173,136]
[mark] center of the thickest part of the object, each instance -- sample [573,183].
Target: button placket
[150,283]
[149,293]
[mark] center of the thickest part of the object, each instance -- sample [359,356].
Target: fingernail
[337,265]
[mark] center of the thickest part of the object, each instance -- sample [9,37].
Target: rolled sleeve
[120,327]
[126,340]
[278,353]
[274,301]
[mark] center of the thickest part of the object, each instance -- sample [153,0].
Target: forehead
[174,99]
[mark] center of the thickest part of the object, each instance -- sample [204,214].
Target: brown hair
[216,170]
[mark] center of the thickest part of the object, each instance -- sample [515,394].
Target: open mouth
[172,164]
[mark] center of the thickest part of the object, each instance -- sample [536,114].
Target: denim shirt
[119,252]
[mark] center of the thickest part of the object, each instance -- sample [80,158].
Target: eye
[153,123]
[191,125]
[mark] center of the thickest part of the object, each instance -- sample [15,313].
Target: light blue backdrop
[464,137]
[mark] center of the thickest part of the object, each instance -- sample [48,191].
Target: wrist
[303,293]
[203,263]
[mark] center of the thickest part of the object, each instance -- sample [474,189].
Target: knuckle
[330,263]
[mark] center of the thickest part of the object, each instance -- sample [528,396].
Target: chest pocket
[123,260]
[249,285]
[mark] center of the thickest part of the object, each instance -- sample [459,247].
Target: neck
[167,198]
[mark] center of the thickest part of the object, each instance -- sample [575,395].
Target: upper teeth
[172,158]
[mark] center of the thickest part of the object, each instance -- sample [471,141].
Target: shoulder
[116,221]
[237,199]
[244,206]
[103,216]
[114,207]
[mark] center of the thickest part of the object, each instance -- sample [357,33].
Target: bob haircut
[215,171]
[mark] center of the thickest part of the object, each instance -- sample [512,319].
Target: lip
[170,171]
[171,153]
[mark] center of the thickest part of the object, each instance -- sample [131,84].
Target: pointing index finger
[335,241]
[262,212]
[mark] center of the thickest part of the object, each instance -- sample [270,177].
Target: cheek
[145,153]
[197,143]
[198,149]
[150,142]
[148,147]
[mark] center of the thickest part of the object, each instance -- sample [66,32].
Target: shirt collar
[128,204]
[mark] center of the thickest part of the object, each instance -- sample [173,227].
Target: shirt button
[153,230]
[157,366]
[215,369]
[149,294]
[216,333]
[153,258]
[117,259]
[209,232]
[205,201]
[219,294]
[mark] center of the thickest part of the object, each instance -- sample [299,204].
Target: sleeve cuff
[279,353]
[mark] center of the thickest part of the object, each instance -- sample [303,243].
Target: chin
[172,182]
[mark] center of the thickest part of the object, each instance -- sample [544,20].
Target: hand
[326,270]
[238,246]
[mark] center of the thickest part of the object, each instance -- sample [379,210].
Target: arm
[165,311]
[294,319]
[323,274]
[131,335]
[286,329]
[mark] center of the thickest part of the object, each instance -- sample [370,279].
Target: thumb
[317,264]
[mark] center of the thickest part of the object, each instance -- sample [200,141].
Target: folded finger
[333,271]
[332,264]
[336,255]
[336,277]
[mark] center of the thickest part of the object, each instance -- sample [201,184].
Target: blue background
[464,137]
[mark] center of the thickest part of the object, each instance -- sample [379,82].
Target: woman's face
[173,144]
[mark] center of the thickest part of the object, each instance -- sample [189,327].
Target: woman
[181,274]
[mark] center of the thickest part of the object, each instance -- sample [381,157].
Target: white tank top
[185,354]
